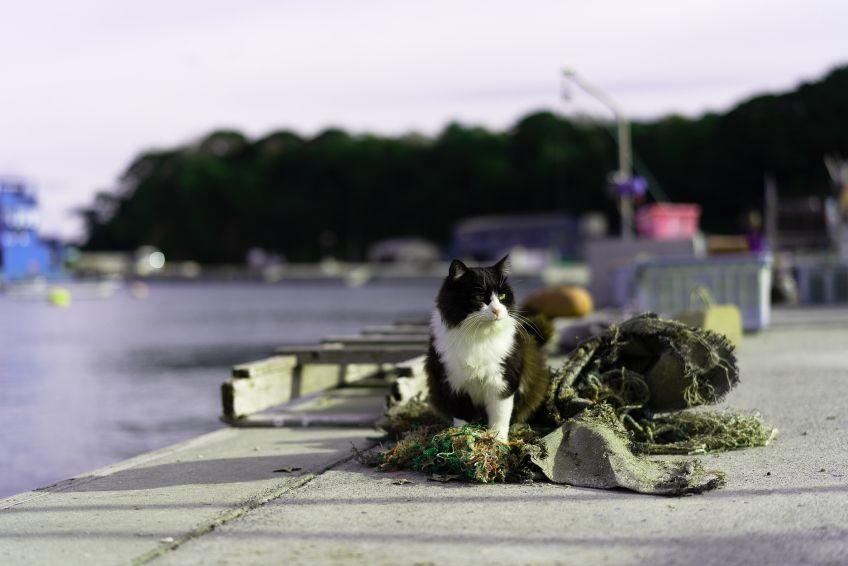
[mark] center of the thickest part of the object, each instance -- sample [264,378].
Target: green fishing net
[645,365]
[470,453]
[631,391]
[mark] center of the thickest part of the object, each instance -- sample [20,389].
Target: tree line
[336,193]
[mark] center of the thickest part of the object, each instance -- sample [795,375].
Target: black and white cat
[483,364]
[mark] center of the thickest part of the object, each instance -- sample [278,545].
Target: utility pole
[624,175]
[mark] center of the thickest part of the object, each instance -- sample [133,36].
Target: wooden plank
[416,320]
[397,329]
[321,377]
[355,354]
[377,339]
[267,366]
[273,420]
[411,368]
[371,381]
[243,396]
[355,373]
[341,407]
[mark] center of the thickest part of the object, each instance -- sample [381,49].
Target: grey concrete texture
[783,504]
[135,510]
[216,500]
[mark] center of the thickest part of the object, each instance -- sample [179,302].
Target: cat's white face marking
[495,310]
[473,353]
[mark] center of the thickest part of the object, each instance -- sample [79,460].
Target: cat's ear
[503,266]
[457,269]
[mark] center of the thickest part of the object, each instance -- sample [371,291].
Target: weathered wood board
[413,320]
[257,386]
[378,339]
[303,370]
[361,353]
[409,368]
[268,366]
[243,396]
[397,329]
[356,407]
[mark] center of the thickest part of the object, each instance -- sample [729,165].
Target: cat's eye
[502,296]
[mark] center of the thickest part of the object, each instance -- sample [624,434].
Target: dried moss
[401,419]
[470,452]
[701,432]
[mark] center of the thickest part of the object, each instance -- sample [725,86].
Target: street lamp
[623,178]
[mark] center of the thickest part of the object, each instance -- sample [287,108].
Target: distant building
[404,250]
[22,253]
[486,238]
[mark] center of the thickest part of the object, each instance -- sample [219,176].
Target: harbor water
[104,380]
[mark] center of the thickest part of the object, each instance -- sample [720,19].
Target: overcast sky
[86,85]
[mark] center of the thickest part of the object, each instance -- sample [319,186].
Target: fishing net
[470,452]
[700,432]
[594,449]
[631,391]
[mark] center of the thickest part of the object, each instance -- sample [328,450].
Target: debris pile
[631,391]
[470,453]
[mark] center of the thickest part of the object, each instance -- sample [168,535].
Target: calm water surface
[105,380]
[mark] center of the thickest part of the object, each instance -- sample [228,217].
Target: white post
[625,153]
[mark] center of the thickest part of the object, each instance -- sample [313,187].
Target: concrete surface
[138,509]
[216,500]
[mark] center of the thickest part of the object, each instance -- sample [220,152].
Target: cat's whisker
[519,316]
[523,332]
[472,323]
[524,322]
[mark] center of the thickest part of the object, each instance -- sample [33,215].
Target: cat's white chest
[473,358]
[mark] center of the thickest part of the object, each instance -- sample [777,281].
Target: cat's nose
[498,313]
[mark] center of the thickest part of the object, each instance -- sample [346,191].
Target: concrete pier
[218,499]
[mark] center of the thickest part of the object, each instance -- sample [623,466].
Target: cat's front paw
[502,434]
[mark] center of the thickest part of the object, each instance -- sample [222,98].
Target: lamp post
[624,175]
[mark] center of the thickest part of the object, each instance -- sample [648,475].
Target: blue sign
[22,253]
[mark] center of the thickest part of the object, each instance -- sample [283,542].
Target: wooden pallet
[297,371]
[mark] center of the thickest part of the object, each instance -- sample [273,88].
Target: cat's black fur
[465,288]
[524,369]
